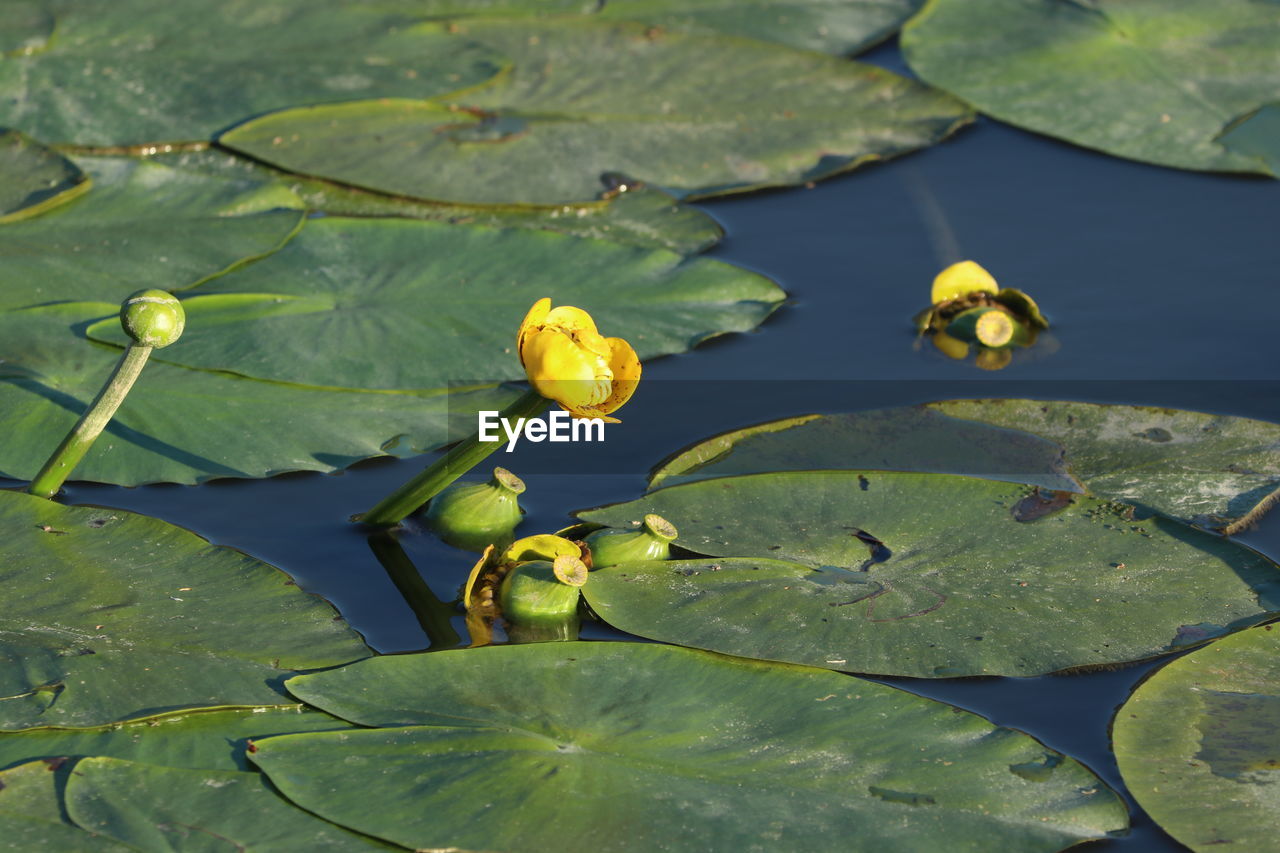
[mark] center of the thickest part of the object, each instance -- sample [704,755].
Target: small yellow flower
[569,362]
[960,280]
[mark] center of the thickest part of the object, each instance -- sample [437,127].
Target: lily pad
[395,304]
[27,27]
[640,747]
[165,808]
[148,71]
[31,815]
[201,739]
[34,178]
[659,108]
[638,215]
[1152,80]
[1198,743]
[186,426]
[110,616]
[1207,469]
[926,575]
[143,225]
[1257,136]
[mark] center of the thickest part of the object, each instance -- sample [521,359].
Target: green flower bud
[473,515]
[153,318]
[651,542]
[537,605]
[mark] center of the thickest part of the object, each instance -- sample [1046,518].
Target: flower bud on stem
[460,459]
[152,318]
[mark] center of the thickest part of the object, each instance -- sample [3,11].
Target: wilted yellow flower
[569,362]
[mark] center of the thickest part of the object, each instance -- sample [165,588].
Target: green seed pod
[536,605]
[153,318]
[472,516]
[988,326]
[651,542]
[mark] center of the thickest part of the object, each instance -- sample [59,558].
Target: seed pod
[651,542]
[153,318]
[537,606]
[473,515]
[992,327]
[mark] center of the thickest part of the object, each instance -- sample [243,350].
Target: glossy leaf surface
[34,178]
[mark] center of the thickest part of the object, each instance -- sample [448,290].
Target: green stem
[95,418]
[433,615]
[460,459]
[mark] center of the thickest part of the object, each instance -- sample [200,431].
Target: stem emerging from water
[460,459]
[95,418]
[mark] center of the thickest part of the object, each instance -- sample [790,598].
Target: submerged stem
[460,459]
[95,418]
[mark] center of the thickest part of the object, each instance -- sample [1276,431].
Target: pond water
[1160,286]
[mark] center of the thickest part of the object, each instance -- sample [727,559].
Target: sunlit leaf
[34,178]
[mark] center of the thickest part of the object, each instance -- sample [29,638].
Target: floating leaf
[1257,136]
[394,304]
[148,71]
[186,426]
[31,815]
[143,225]
[924,575]
[27,27]
[1152,80]
[1198,743]
[1209,469]
[659,108]
[165,808]
[33,178]
[639,747]
[640,216]
[201,739]
[109,616]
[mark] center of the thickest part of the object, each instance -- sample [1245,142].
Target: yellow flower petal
[566,372]
[960,280]
[625,366]
[533,321]
[543,546]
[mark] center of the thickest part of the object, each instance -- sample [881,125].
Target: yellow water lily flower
[568,361]
[960,280]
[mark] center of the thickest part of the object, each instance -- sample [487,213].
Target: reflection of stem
[460,459]
[1250,518]
[433,614]
[91,423]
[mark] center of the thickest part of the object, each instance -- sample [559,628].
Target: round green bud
[651,542]
[472,516]
[992,327]
[537,605]
[153,318]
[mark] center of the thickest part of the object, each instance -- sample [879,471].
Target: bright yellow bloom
[960,280]
[569,362]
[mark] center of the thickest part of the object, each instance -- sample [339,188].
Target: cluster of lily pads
[356,203]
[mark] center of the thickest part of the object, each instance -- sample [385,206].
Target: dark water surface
[1161,286]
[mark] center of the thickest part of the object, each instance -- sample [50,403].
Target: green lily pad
[830,26]
[640,216]
[33,178]
[395,304]
[201,739]
[1207,469]
[142,225]
[1152,80]
[27,27]
[109,616]
[541,137]
[187,426]
[641,747]
[31,815]
[1257,136]
[148,71]
[166,808]
[926,575]
[1198,743]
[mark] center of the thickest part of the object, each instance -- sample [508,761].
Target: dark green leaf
[624,746]
[31,815]
[109,616]
[659,108]
[925,575]
[1199,744]
[1257,136]
[1153,80]
[159,71]
[33,178]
